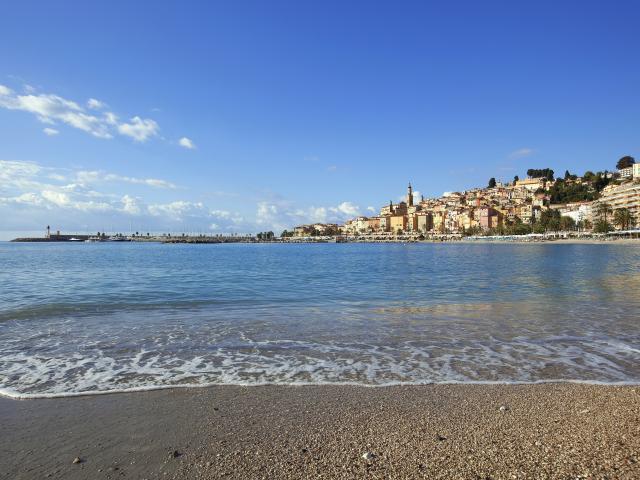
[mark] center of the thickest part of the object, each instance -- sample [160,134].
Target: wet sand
[441,431]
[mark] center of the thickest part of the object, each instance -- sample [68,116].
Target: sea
[90,318]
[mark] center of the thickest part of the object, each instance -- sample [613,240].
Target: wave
[150,388]
[53,374]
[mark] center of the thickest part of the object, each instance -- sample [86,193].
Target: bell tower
[410,196]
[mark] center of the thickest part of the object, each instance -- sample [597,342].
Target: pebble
[368,456]
[503,408]
[77,460]
[440,438]
[175,454]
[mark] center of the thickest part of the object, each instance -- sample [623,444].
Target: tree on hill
[599,180]
[562,192]
[625,162]
[541,173]
[492,182]
[516,178]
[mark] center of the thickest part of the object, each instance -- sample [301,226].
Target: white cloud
[140,129]
[111,118]
[279,214]
[131,205]
[50,131]
[187,143]
[347,209]
[521,153]
[54,109]
[32,195]
[96,177]
[94,104]
[57,198]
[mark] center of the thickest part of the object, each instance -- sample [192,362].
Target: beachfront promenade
[359,238]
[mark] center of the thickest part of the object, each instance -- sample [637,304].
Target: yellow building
[398,223]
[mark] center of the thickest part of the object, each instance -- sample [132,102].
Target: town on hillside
[598,202]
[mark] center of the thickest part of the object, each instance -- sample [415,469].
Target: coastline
[551,430]
[520,239]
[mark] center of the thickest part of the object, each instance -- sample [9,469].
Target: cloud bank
[32,196]
[94,118]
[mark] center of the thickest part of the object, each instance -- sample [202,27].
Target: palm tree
[602,210]
[623,218]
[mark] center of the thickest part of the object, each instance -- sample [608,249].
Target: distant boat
[116,238]
[74,239]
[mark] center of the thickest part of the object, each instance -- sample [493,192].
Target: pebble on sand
[368,456]
[77,460]
[503,408]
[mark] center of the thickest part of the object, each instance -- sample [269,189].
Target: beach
[432,431]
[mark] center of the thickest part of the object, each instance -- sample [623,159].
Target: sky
[243,116]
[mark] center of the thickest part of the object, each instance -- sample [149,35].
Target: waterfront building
[623,196]
[488,218]
[373,224]
[398,223]
[578,211]
[424,222]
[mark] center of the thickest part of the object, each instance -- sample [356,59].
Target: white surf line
[35,396]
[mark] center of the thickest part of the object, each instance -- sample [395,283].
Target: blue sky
[298,111]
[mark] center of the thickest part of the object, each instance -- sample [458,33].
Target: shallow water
[78,318]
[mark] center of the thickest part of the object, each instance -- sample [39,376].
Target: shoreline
[464,241]
[409,240]
[552,430]
[17,396]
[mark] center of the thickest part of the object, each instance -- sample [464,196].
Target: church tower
[410,196]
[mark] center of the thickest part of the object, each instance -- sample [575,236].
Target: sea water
[78,318]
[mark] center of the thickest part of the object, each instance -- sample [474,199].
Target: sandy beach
[439,431]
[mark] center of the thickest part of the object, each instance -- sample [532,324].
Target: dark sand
[448,431]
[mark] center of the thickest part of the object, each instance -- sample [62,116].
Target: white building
[630,172]
[579,212]
[626,172]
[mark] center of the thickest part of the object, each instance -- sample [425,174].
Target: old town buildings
[501,207]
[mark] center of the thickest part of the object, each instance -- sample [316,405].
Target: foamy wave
[297,363]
